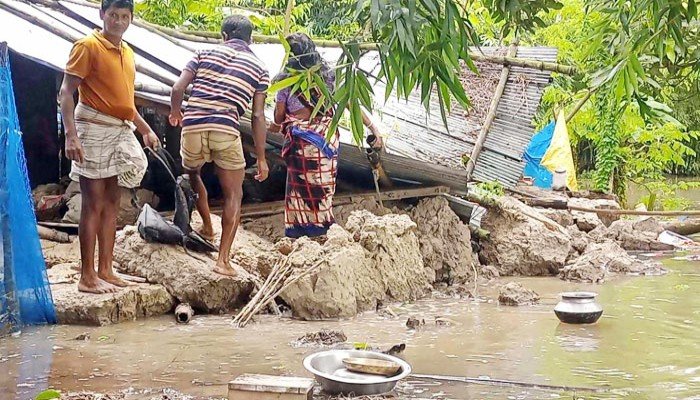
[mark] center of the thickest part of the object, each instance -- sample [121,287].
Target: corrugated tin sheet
[512,129]
[412,133]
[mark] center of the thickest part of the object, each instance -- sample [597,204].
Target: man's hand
[74,149]
[175,117]
[263,170]
[151,140]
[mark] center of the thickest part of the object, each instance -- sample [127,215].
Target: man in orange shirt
[100,139]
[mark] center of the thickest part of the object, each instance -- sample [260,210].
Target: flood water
[644,347]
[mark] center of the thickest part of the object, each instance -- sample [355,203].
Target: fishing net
[25,296]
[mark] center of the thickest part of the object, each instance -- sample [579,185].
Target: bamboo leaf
[318,107]
[284,83]
[356,122]
[443,114]
[365,88]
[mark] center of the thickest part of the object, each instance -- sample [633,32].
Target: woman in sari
[311,159]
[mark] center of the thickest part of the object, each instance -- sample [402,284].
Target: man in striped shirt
[225,80]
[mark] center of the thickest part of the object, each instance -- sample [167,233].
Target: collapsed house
[420,153]
[419,148]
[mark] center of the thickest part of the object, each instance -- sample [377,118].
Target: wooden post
[52,234]
[288,17]
[579,105]
[491,116]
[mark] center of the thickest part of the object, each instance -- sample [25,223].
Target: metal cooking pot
[330,372]
[578,308]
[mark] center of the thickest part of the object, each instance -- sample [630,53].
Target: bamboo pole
[579,105]
[7,6]
[511,61]
[149,27]
[689,213]
[491,116]
[157,90]
[288,17]
[186,35]
[215,37]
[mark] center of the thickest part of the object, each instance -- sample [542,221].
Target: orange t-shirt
[108,73]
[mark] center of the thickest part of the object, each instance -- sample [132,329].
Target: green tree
[621,139]
[631,56]
[189,14]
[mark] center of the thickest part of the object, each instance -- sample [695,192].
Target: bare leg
[232,186]
[207,230]
[107,232]
[93,198]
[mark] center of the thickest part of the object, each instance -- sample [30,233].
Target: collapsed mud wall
[523,241]
[368,258]
[375,259]
[445,242]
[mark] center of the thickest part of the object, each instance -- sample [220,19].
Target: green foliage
[619,137]
[650,40]
[491,189]
[638,56]
[520,15]
[664,193]
[190,14]
[318,18]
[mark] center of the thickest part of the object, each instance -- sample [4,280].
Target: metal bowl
[330,372]
[578,308]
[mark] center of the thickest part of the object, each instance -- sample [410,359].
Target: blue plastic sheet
[533,157]
[25,295]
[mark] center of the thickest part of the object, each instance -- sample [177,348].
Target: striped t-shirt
[226,78]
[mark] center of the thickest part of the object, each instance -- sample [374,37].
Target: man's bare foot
[95,285]
[207,233]
[224,269]
[113,279]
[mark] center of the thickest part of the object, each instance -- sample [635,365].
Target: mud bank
[529,241]
[367,259]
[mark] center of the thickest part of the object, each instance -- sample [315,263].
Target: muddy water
[644,347]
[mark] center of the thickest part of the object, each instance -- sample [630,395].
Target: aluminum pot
[578,308]
[330,372]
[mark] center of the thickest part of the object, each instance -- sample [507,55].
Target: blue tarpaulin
[533,157]
[25,295]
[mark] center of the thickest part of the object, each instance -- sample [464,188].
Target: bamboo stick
[690,213]
[274,274]
[579,105]
[491,116]
[501,382]
[290,281]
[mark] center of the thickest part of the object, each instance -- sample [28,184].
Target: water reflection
[32,361]
[578,337]
[644,346]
